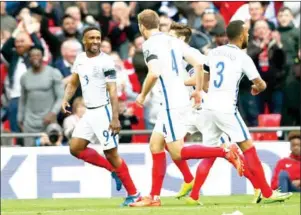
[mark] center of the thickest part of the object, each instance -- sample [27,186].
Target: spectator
[286,174]
[290,35]
[203,35]
[192,11]
[291,98]
[15,52]
[69,29]
[228,9]
[75,13]
[219,38]
[169,9]
[69,50]
[52,137]
[266,51]
[124,87]
[41,97]
[138,60]
[106,46]
[78,110]
[127,119]
[129,67]
[105,17]
[53,42]
[123,28]
[295,8]
[256,10]
[7,22]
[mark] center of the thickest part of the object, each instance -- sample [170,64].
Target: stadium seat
[138,111]
[268,120]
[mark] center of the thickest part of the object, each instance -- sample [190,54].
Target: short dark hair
[235,29]
[294,135]
[181,30]
[67,16]
[40,48]
[91,28]
[284,9]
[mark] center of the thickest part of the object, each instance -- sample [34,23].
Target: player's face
[245,38]
[142,30]
[92,41]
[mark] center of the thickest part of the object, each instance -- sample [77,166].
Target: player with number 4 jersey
[163,55]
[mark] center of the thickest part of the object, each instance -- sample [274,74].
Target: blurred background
[56,28]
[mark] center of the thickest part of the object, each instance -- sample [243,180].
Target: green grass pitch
[212,206]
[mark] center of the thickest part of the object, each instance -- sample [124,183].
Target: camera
[53,131]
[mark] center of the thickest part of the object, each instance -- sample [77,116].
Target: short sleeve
[149,52]
[249,68]
[109,70]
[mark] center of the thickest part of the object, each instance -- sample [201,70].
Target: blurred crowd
[40,40]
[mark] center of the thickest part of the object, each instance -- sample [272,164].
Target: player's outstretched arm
[69,91]
[258,86]
[115,124]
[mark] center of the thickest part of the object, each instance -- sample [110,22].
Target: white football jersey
[94,73]
[169,51]
[228,64]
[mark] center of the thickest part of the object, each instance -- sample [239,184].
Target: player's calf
[113,157]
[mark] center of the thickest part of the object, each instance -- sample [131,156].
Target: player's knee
[112,155]
[73,150]
[155,148]
[75,147]
[176,156]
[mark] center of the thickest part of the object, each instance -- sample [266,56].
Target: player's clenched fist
[115,126]
[196,95]
[65,104]
[140,99]
[254,90]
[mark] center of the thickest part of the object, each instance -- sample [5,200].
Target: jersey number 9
[220,69]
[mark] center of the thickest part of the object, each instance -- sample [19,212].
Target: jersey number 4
[220,69]
[174,62]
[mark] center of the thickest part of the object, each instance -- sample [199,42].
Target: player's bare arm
[149,82]
[69,91]
[258,86]
[192,56]
[115,124]
[191,81]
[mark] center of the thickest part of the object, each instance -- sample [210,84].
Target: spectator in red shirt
[287,171]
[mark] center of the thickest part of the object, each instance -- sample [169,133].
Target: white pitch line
[190,208]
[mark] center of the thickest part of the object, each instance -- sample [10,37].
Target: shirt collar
[66,63]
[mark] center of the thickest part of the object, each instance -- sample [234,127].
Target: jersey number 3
[87,79]
[220,69]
